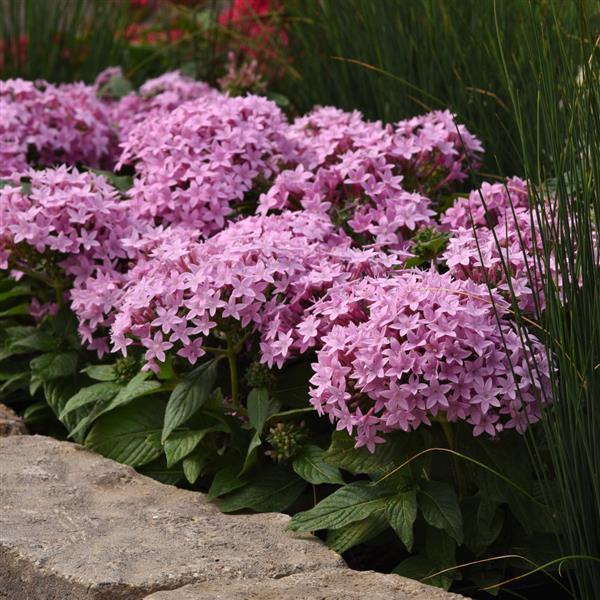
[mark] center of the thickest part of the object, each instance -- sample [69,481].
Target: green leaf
[193,465]
[420,568]
[14,292]
[353,502]
[189,395]
[260,408]
[226,480]
[37,413]
[291,388]
[356,533]
[136,388]
[251,453]
[38,340]
[483,520]
[288,414]
[274,491]
[157,469]
[129,434]
[344,455]
[440,508]
[312,468]
[440,548]
[181,443]
[90,395]
[13,311]
[401,513]
[100,372]
[53,365]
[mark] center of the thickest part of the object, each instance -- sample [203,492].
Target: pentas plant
[403,350]
[195,164]
[257,276]
[61,226]
[155,96]
[494,242]
[251,275]
[43,124]
[365,175]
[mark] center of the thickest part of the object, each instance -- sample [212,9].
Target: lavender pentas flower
[372,178]
[494,242]
[405,349]
[43,124]
[196,163]
[256,276]
[155,97]
[433,151]
[62,227]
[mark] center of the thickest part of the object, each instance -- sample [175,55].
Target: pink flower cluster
[46,124]
[258,275]
[159,95]
[77,216]
[417,345]
[333,202]
[365,175]
[492,232]
[195,163]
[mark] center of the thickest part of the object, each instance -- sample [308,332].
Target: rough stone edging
[79,526]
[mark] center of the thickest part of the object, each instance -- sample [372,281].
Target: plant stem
[233,370]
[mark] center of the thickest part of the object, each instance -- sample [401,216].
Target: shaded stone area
[76,525]
[10,422]
[340,584]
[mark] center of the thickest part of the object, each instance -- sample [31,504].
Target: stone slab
[10,422]
[339,584]
[75,525]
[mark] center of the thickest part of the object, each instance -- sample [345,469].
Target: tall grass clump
[563,169]
[60,40]
[442,54]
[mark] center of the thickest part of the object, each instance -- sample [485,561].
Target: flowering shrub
[211,152]
[416,346]
[43,124]
[241,276]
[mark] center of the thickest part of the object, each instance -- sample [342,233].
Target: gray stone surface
[339,584]
[10,422]
[74,525]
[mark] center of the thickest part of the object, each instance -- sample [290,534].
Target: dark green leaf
[251,454]
[189,396]
[193,465]
[420,568]
[401,512]
[97,392]
[38,340]
[100,372]
[53,365]
[312,468]
[440,508]
[274,490]
[19,309]
[181,443]
[356,533]
[157,469]
[226,480]
[353,502]
[130,434]
[344,455]
[260,408]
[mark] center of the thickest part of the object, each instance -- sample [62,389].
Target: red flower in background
[254,20]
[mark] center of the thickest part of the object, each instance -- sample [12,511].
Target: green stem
[233,370]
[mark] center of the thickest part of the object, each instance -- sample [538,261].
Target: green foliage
[189,395]
[394,59]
